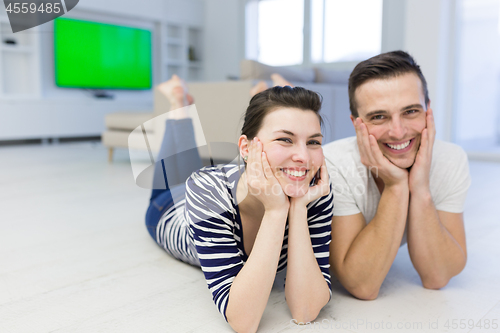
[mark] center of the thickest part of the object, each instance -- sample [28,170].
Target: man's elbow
[440,280]
[435,282]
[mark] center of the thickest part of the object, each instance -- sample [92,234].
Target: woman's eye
[315,142]
[285,140]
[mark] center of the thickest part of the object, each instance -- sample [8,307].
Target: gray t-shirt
[355,191]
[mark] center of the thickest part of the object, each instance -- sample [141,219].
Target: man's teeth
[294,173]
[399,147]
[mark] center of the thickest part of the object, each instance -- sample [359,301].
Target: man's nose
[397,130]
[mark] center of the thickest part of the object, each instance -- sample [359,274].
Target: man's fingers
[431,127]
[424,141]
[378,157]
[367,146]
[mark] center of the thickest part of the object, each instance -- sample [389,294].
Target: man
[393,183]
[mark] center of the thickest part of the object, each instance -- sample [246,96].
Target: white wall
[224,38]
[61,112]
[429,38]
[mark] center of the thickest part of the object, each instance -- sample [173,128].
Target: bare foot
[176,92]
[279,80]
[259,87]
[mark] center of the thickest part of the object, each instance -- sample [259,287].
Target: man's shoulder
[447,152]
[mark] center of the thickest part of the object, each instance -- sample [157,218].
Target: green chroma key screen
[101,56]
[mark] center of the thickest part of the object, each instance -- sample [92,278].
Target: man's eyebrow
[413,106]
[376,112]
[291,134]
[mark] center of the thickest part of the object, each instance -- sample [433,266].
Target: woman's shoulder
[223,175]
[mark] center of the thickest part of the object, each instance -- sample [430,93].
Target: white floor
[75,257]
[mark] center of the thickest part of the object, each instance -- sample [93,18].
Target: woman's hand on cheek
[318,190]
[261,181]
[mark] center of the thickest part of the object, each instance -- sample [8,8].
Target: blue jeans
[159,204]
[177,159]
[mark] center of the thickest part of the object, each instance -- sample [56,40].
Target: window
[345,30]
[338,30]
[279,37]
[477,105]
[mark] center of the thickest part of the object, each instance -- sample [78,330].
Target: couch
[220,107]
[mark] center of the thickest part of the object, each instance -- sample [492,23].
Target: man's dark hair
[383,66]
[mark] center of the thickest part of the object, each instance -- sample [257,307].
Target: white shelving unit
[182,50]
[19,62]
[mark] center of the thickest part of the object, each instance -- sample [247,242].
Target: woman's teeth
[399,147]
[294,173]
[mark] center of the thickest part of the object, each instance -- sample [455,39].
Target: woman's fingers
[255,171]
[324,172]
[268,173]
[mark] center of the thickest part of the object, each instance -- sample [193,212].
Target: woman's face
[292,141]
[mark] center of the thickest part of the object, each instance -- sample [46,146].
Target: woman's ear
[243,145]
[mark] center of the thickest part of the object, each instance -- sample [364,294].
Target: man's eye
[378,117]
[285,140]
[411,111]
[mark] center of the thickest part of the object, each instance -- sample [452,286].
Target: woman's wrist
[297,207]
[299,202]
[277,211]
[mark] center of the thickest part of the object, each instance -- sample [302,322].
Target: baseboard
[43,141]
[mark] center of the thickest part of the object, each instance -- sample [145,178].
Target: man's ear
[353,120]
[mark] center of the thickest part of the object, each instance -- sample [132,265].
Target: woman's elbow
[365,293]
[307,314]
[243,326]
[303,317]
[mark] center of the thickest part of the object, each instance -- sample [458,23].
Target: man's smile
[399,147]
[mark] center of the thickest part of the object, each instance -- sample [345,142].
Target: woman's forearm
[306,290]
[251,288]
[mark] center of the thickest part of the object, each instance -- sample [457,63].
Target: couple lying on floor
[346,207]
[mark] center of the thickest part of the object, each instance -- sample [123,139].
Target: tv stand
[102,94]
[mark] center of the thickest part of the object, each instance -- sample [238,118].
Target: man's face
[394,113]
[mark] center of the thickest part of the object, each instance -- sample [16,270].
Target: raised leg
[178,156]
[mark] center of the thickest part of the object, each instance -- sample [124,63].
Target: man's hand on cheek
[372,157]
[420,171]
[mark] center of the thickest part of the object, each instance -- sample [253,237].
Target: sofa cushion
[253,70]
[332,76]
[128,120]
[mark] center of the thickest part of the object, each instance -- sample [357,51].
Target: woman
[243,224]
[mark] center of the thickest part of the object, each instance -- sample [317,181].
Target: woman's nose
[301,153]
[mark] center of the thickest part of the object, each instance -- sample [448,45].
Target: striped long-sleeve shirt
[212,231]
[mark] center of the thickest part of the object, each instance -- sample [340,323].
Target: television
[100,56]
